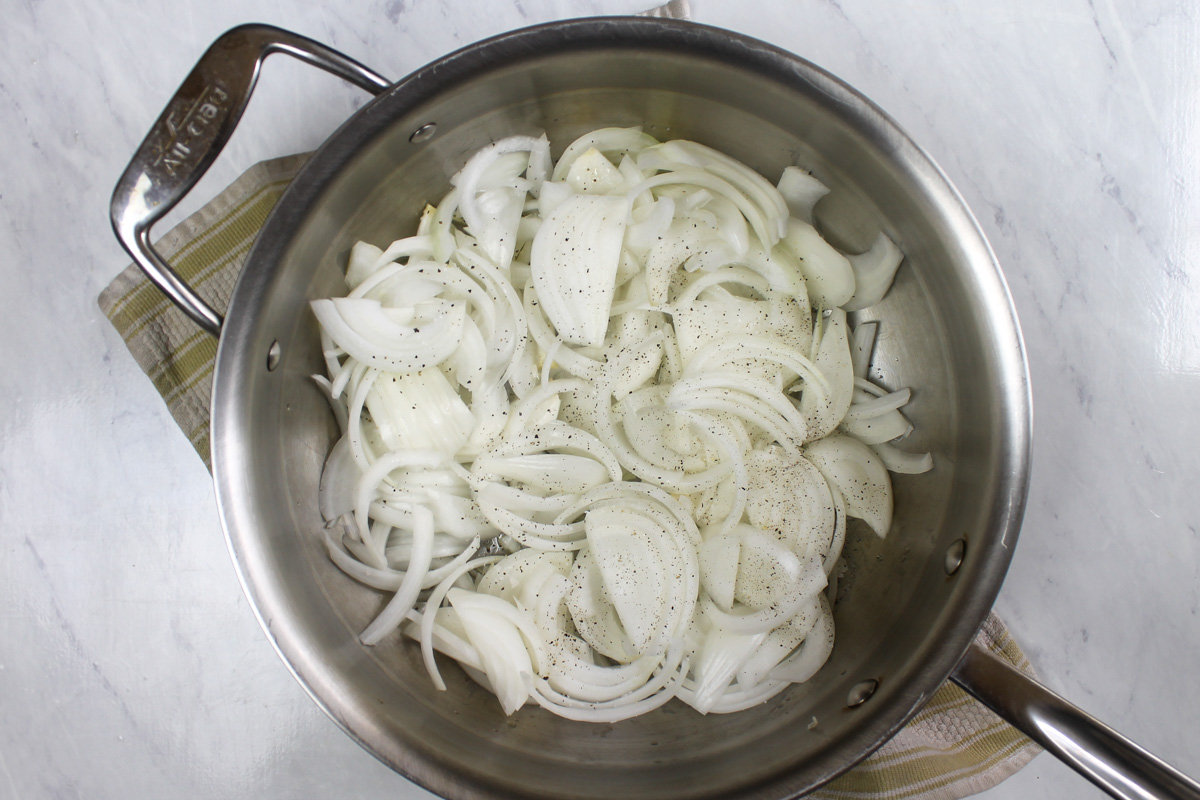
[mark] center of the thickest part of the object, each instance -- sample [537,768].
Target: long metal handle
[1103,756]
[190,133]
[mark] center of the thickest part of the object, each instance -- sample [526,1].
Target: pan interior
[946,330]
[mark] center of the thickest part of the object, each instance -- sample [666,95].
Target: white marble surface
[130,663]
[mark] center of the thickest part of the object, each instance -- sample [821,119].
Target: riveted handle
[191,132]
[1100,754]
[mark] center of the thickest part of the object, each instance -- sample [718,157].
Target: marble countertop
[130,663]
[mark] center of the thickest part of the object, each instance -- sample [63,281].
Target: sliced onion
[834,553]
[339,477]
[406,595]
[676,245]
[507,578]
[419,411]
[753,185]
[859,475]
[494,220]
[429,617]
[863,343]
[650,226]
[500,645]
[362,262]
[762,220]
[363,329]
[549,472]
[791,498]
[554,194]
[574,259]
[592,173]
[633,570]
[719,557]
[804,663]
[801,191]
[778,644]
[874,271]
[721,655]
[896,460]
[776,319]
[668,291]
[877,429]
[829,275]
[824,414]
[606,140]
[808,583]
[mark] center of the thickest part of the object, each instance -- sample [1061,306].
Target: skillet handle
[189,135]
[1100,754]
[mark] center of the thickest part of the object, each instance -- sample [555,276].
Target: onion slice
[874,271]
[574,261]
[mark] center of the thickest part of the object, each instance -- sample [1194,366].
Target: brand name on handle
[187,125]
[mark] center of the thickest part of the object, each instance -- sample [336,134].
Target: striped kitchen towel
[953,748]
[206,250]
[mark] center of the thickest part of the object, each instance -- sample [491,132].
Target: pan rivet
[273,355]
[861,692]
[954,556]
[423,133]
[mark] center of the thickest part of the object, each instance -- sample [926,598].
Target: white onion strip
[429,616]
[406,595]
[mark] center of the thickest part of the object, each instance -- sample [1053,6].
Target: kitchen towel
[953,748]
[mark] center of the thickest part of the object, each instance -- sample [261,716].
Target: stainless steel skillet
[911,604]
